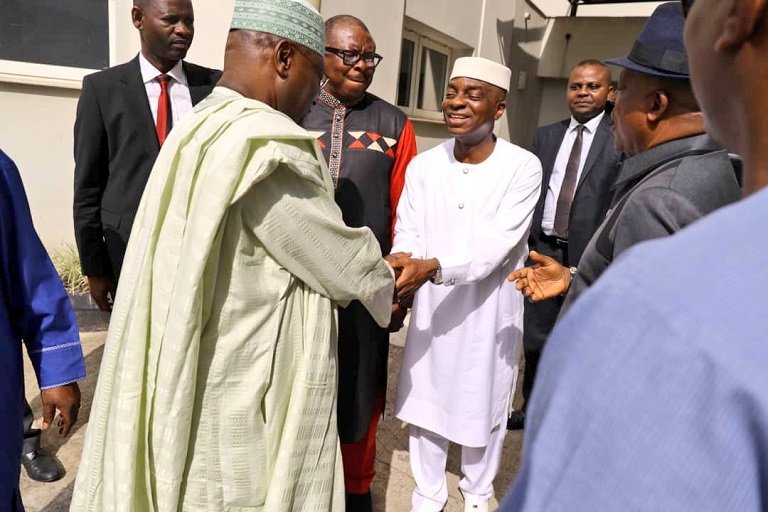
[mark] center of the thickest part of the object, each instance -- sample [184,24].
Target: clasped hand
[410,273]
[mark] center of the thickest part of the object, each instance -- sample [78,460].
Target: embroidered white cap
[482,69]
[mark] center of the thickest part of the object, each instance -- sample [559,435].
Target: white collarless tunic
[464,338]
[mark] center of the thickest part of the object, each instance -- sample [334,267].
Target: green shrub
[67,263]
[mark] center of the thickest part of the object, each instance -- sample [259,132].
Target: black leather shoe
[360,502]
[40,465]
[516,420]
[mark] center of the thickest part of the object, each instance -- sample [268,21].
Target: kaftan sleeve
[40,310]
[301,227]
[492,243]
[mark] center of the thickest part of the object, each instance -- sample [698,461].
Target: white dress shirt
[558,171]
[181,100]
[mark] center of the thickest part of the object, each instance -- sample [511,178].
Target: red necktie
[164,118]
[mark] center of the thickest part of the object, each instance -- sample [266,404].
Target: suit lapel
[136,97]
[552,146]
[198,81]
[602,134]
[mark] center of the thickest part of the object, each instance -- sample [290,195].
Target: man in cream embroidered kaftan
[218,385]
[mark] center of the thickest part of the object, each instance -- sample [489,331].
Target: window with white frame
[424,68]
[50,40]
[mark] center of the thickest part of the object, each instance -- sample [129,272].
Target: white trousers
[429,455]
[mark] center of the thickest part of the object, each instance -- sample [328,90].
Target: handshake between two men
[410,274]
[545,279]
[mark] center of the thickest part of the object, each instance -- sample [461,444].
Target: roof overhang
[576,3]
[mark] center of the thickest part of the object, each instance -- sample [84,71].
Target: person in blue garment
[35,311]
[652,392]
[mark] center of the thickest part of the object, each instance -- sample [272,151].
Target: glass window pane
[72,33]
[406,73]
[434,70]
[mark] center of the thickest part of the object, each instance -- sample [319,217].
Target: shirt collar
[150,72]
[329,99]
[333,102]
[590,126]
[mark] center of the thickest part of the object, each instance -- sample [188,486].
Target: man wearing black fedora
[674,172]
[652,389]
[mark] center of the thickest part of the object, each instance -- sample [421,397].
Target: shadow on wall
[523,101]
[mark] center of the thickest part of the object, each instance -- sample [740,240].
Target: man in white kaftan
[466,208]
[217,389]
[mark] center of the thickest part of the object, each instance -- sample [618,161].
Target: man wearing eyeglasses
[367,143]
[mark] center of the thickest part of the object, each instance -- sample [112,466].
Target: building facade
[47,46]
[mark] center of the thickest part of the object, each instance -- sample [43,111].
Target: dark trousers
[539,317]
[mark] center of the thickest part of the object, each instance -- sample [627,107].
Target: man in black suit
[123,116]
[579,163]
[117,139]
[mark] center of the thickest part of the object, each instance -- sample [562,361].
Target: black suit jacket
[593,191]
[115,149]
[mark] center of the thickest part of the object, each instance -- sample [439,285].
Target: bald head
[727,41]
[281,73]
[335,23]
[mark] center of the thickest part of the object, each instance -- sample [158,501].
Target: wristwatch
[437,277]
[571,272]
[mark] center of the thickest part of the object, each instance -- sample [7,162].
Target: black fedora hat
[659,49]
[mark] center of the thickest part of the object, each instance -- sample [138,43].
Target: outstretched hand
[545,279]
[66,399]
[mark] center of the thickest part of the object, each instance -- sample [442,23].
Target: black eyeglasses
[350,58]
[686,5]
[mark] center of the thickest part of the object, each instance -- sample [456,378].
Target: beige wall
[459,19]
[36,133]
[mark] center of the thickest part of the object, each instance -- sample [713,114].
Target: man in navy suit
[579,162]
[123,116]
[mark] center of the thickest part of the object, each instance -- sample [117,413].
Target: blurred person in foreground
[218,385]
[652,393]
[35,312]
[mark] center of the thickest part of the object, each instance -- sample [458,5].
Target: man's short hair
[334,21]
[592,62]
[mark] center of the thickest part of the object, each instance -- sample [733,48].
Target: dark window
[71,33]
[407,55]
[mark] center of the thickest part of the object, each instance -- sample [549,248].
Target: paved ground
[392,487]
